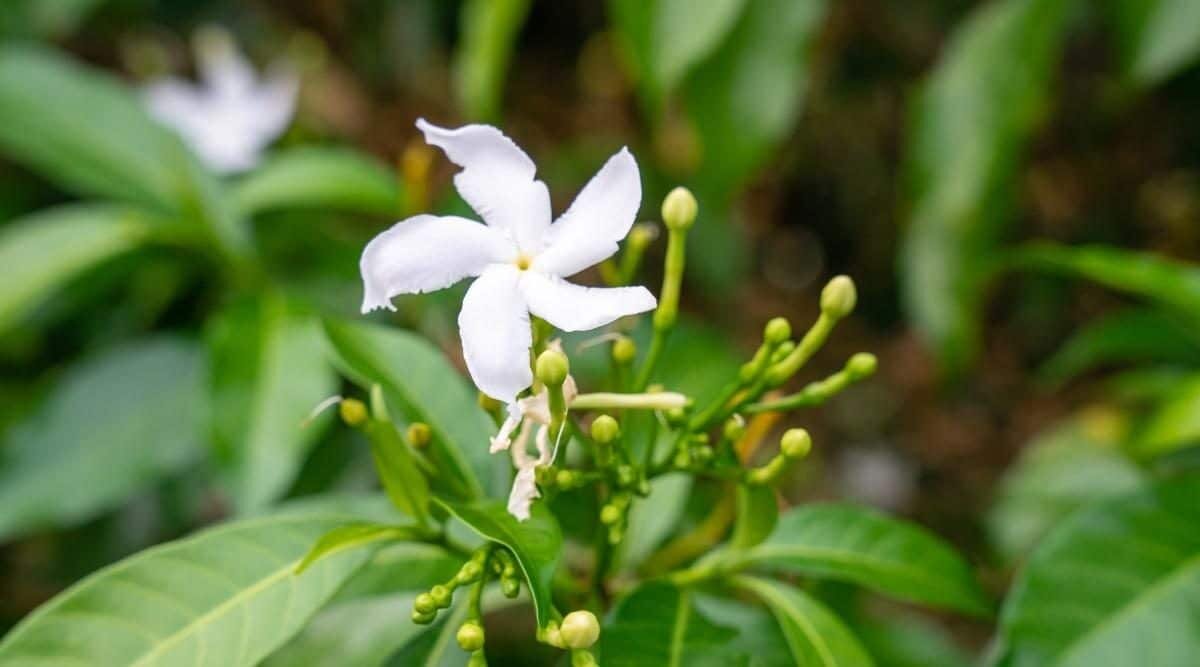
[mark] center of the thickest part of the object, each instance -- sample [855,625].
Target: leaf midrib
[799,618]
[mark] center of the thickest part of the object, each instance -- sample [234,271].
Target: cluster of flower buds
[427,605]
[577,632]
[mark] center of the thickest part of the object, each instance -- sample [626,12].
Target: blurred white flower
[231,115]
[520,258]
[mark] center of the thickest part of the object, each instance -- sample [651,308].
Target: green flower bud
[423,619]
[610,514]
[582,659]
[545,475]
[425,604]
[626,475]
[703,454]
[675,416]
[579,629]
[477,659]
[679,209]
[605,429]
[838,297]
[735,428]
[550,635]
[419,434]
[566,479]
[441,595]
[470,636]
[642,235]
[683,459]
[624,350]
[469,572]
[616,533]
[785,348]
[552,367]
[796,443]
[777,331]
[510,586]
[861,365]
[352,411]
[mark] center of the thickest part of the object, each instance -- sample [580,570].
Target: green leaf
[757,515]
[1173,425]
[759,634]
[1116,584]
[536,542]
[436,647]
[416,379]
[1071,465]
[400,567]
[860,545]
[968,129]
[489,32]
[657,625]
[352,536]
[663,40]
[45,18]
[1168,282]
[653,518]
[358,633]
[320,178]
[404,482]
[1131,335]
[814,634]
[1156,38]
[113,425]
[43,251]
[268,370]
[908,640]
[225,597]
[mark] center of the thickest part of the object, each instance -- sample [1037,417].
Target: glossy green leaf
[353,536]
[400,567]
[417,380]
[320,178]
[969,126]
[908,640]
[43,251]
[663,39]
[863,546]
[396,465]
[1116,584]
[225,597]
[113,425]
[1173,424]
[1156,38]
[653,518]
[757,515]
[536,542]
[359,633]
[657,626]
[1071,465]
[1170,283]
[268,370]
[759,634]
[814,634]
[485,48]
[1132,335]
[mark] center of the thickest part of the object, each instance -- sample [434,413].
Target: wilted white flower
[230,116]
[519,256]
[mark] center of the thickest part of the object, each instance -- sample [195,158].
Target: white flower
[520,258]
[231,116]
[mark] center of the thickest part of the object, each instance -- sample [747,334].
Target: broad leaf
[1156,38]
[969,126]
[418,381]
[1132,335]
[663,39]
[320,179]
[226,597]
[358,633]
[113,425]
[404,482]
[653,518]
[485,48]
[1071,465]
[1116,584]
[759,634]
[44,18]
[860,545]
[536,542]
[268,369]
[401,567]
[45,250]
[657,625]
[757,515]
[436,647]
[1174,424]
[814,634]
[352,536]
[908,640]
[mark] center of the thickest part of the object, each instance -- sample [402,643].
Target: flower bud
[861,365]
[735,428]
[550,635]
[352,411]
[477,659]
[626,475]
[679,209]
[785,348]
[777,331]
[425,604]
[796,443]
[624,350]
[441,596]
[703,454]
[552,367]
[422,619]
[610,514]
[579,629]
[545,475]
[838,297]
[469,572]
[605,429]
[510,586]
[582,659]
[566,479]
[470,636]
[418,434]
[642,234]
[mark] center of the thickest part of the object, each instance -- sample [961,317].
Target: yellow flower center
[524,261]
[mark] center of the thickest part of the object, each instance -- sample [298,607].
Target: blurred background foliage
[999,177]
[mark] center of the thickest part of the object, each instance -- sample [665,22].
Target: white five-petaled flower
[231,115]
[519,256]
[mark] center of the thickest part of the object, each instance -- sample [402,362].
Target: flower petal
[274,103]
[497,180]
[524,492]
[426,253]
[600,216]
[572,307]
[494,325]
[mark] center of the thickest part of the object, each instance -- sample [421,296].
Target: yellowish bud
[839,297]
[419,434]
[679,209]
[605,429]
[861,365]
[579,629]
[796,443]
[552,367]
[352,411]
